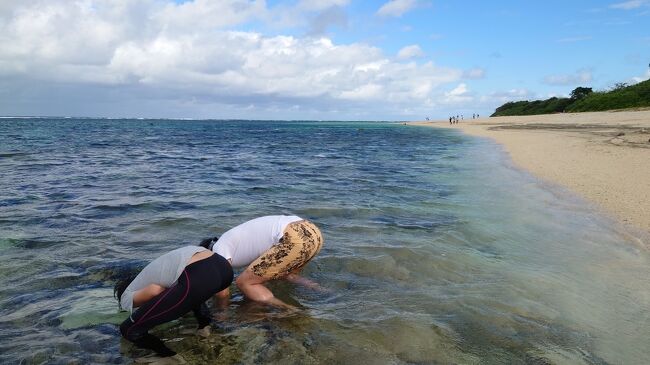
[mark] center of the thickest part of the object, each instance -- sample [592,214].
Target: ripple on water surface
[436,250]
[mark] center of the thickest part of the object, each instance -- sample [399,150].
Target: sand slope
[604,156]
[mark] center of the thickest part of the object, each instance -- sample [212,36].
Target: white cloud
[579,77]
[459,90]
[474,73]
[409,52]
[629,5]
[363,92]
[460,94]
[396,8]
[189,54]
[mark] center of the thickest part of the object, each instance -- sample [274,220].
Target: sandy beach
[603,157]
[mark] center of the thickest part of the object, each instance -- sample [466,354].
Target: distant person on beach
[270,247]
[449,120]
[170,286]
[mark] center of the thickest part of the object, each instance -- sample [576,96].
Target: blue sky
[310,59]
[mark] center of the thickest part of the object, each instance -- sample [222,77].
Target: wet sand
[604,157]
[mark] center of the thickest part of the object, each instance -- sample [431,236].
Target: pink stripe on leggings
[142,319]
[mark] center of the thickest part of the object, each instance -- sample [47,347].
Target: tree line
[583,99]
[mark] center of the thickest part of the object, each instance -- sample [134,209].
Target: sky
[310,59]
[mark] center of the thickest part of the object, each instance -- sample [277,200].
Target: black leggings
[197,283]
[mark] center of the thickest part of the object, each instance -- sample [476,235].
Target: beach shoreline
[604,157]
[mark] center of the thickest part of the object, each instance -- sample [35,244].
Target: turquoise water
[437,250]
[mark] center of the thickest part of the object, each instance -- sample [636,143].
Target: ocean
[437,250]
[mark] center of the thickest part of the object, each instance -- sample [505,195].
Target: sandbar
[603,157]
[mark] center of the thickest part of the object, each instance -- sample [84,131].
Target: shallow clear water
[436,251]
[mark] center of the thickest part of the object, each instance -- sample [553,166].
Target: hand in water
[204,332]
[300,280]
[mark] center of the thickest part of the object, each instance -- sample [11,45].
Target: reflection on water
[436,250]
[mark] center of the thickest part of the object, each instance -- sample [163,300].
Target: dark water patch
[16,201]
[262,189]
[246,179]
[33,242]
[42,165]
[114,270]
[13,154]
[61,196]
[174,222]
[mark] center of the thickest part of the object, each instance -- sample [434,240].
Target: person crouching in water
[170,286]
[270,247]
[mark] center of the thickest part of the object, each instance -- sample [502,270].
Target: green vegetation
[583,99]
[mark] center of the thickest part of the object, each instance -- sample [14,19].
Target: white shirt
[248,241]
[164,271]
